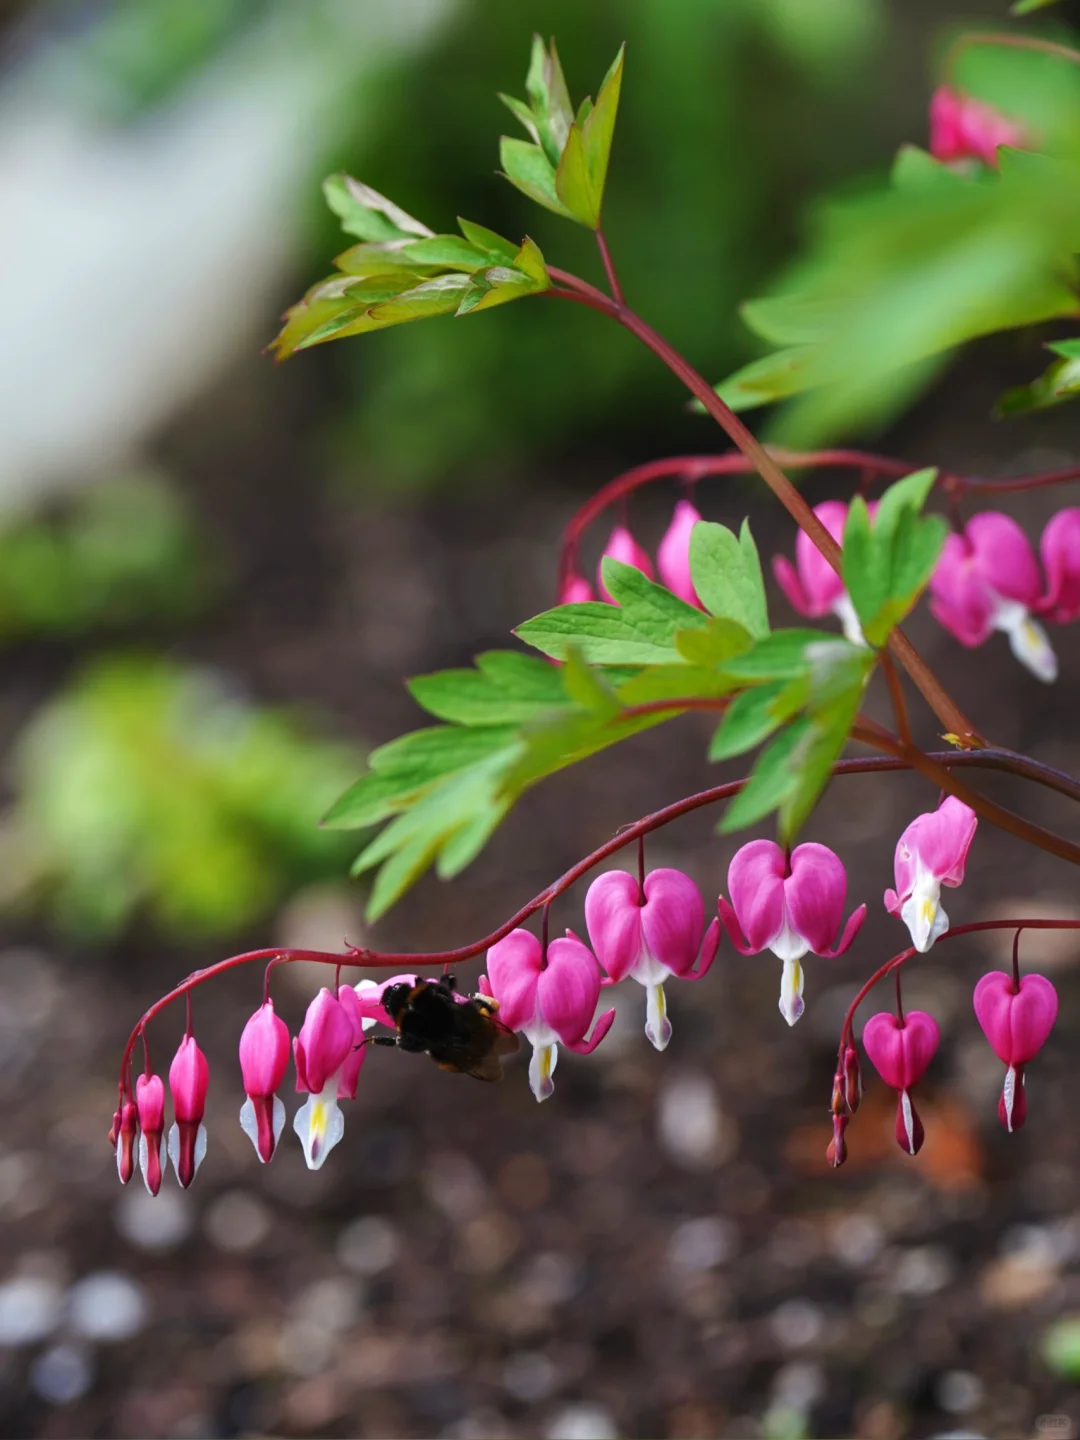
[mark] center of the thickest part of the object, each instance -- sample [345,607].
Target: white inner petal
[791,990]
[788,944]
[319,1124]
[1009,1095]
[909,1120]
[541,1068]
[657,1024]
[922,911]
[1028,640]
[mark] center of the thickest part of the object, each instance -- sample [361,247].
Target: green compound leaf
[565,168]
[727,576]
[1027,7]
[401,271]
[888,562]
[752,717]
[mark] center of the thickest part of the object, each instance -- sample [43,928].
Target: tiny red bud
[837,1151]
[838,1104]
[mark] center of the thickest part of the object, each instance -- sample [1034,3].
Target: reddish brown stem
[609,268]
[896,695]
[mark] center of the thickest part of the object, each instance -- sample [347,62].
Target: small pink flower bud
[150,1102]
[264,1058]
[673,553]
[789,909]
[125,1128]
[189,1080]
[575,590]
[901,1051]
[988,579]
[931,852]
[1060,547]
[963,128]
[549,1003]
[650,938]
[1017,1022]
[811,585]
[328,1053]
[622,546]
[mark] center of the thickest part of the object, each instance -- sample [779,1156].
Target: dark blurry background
[213,576]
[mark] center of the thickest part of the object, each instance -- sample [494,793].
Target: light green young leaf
[887,563]
[1059,382]
[502,252]
[482,697]
[574,184]
[671,682]
[1027,7]
[367,214]
[529,169]
[545,86]
[587,688]
[598,129]
[727,576]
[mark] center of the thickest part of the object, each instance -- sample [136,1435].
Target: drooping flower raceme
[622,546]
[264,1058]
[1060,547]
[811,585]
[150,1102]
[650,936]
[673,553]
[901,1051]
[551,1000]
[189,1080]
[931,852]
[1016,1019]
[125,1128]
[963,128]
[328,1053]
[988,579]
[788,907]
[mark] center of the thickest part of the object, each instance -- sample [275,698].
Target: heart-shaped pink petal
[901,1053]
[1016,1022]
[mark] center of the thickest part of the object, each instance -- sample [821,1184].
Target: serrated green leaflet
[639,630]
[529,169]
[727,576]
[718,641]
[751,718]
[494,693]
[367,214]
[771,781]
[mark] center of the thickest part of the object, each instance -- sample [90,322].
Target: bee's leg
[448,980]
[389,1040]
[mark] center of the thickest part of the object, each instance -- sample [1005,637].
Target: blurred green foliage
[712,149]
[122,552]
[148,789]
[895,278]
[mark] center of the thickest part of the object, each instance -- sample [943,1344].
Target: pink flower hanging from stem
[789,906]
[931,852]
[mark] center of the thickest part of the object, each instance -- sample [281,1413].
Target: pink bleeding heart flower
[1016,1019]
[575,590]
[988,579]
[650,936]
[150,1103]
[623,547]
[189,1080]
[963,128]
[901,1051]
[551,1002]
[811,585]
[1060,547]
[328,1054]
[931,852]
[673,553]
[789,907]
[264,1058]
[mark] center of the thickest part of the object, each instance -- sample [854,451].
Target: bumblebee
[458,1033]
